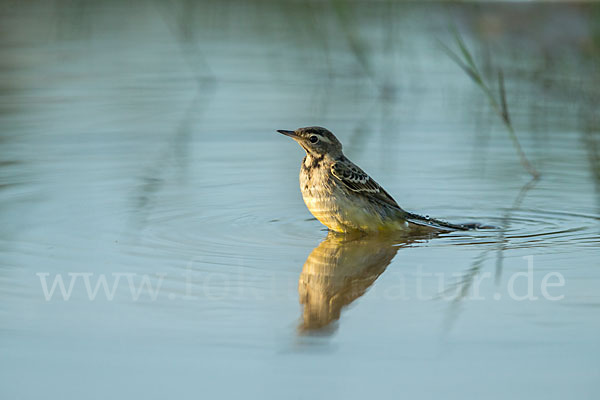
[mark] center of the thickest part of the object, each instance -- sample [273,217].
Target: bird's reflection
[340,270]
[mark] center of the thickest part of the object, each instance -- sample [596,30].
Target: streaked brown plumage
[344,197]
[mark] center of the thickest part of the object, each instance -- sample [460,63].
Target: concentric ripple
[527,228]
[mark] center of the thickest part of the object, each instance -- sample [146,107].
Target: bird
[345,198]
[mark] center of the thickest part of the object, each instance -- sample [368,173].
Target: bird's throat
[312,161]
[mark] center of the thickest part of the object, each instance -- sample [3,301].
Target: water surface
[139,146]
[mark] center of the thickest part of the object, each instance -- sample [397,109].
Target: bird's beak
[291,134]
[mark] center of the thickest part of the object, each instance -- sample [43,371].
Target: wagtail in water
[345,198]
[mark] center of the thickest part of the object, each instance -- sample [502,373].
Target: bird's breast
[319,196]
[338,209]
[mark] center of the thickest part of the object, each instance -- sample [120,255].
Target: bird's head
[316,141]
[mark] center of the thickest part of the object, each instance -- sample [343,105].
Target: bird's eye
[313,139]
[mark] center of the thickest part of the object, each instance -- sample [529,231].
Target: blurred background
[138,138]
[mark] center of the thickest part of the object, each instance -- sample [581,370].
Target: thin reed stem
[467,64]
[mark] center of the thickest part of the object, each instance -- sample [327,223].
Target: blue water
[139,147]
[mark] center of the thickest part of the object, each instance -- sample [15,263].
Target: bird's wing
[359,181]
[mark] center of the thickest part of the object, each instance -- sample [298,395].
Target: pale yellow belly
[342,215]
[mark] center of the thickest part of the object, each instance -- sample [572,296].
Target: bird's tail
[441,225]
